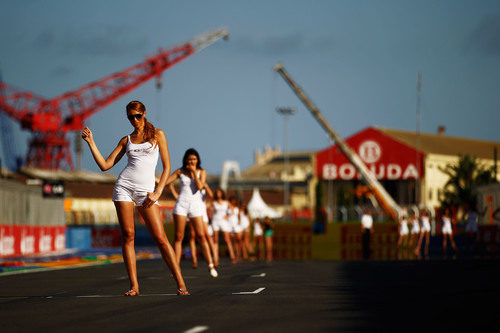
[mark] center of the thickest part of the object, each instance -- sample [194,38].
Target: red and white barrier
[18,240]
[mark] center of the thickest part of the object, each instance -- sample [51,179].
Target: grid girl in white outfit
[403,236]
[245,221]
[425,232]
[220,223]
[414,234]
[189,204]
[447,232]
[136,185]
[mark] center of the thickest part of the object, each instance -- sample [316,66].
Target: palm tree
[463,179]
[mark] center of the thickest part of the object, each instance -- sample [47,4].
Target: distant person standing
[403,237]
[136,186]
[190,205]
[268,237]
[366,231]
[471,229]
[220,223]
[414,234]
[258,239]
[447,231]
[425,232]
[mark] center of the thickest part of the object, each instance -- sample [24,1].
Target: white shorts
[426,227]
[189,208]
[221,224]
[447,229]
[121,193]
[415,230]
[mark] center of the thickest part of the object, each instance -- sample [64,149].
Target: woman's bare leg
[243,247]
[192,245]
[152,219]
[269,248]
[216,246]
[199,228]
[211,245]
[125,212]
[180,225]
[227,239]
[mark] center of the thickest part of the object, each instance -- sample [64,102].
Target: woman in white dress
[135,186]
[447,231]
[403,236]
[425,232]
[221,224]
[189,205]
[414,234]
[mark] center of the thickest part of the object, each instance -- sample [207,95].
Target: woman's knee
[128,235]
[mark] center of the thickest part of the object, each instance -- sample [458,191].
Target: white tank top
[139,174]
[244,221]
[188,188]
[220,210]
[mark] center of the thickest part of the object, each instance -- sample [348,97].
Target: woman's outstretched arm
[113,158]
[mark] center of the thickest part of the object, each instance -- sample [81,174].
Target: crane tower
[50,120]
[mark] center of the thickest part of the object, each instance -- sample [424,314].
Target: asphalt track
[284,296]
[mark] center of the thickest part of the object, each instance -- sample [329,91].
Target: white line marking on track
[196,329]
[142,295]
[259,275]
[250,292]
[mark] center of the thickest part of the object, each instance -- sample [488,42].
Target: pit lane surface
[285,296]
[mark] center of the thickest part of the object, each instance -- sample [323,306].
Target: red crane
[49,120]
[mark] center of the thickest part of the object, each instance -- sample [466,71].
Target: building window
[430,194]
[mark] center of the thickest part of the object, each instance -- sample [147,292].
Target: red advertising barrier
[18,240]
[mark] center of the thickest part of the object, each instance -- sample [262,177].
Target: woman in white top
[206,193]
[447,232]
[233,215]
[403,236]
[189,205]
[414,234]
[425,232]
[220,223]
[136,185]
[245,221]
[258,239]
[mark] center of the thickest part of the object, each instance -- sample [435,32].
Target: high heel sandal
[132,292]
[181,291]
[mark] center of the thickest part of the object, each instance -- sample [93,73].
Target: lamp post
[286,112]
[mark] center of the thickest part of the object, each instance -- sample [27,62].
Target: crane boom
[51,119]
[385,199]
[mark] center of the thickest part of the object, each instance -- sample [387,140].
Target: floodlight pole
[286,112]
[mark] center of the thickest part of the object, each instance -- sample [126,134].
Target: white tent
[258,208]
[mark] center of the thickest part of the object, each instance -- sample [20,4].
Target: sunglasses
[137,116]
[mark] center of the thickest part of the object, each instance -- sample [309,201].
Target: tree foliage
[463,178]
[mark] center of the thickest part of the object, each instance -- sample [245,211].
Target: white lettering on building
[347,171]
[329,171]
[390,171]
[393,171]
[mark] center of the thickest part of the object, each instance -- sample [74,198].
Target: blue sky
[357,60]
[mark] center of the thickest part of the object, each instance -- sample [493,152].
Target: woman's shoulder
[159,132]
[124,140]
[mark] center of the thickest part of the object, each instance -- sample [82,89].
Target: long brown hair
[149,129]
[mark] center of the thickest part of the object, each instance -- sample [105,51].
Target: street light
[286,112]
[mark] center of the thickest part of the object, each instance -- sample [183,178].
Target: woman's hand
[192,170]
[87,135]
[151,199]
